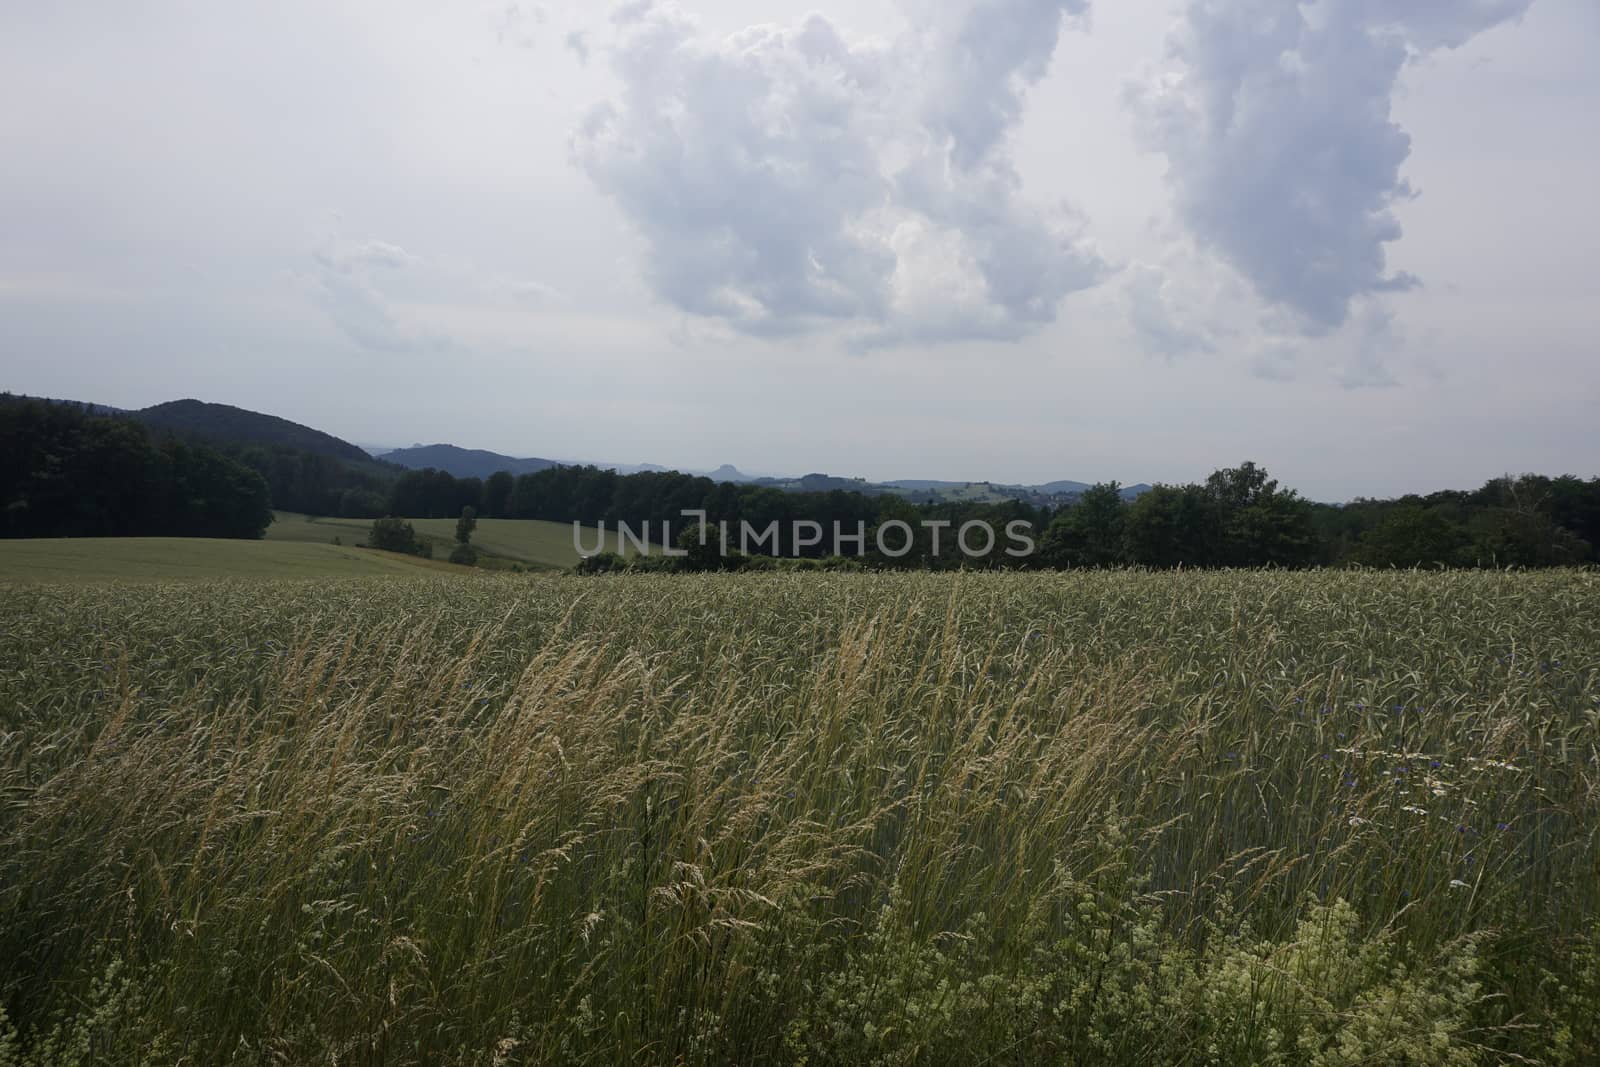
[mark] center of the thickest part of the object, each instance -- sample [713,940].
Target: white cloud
[1275,118]
[346,285]
[517,25]
[577,43]
[791,179]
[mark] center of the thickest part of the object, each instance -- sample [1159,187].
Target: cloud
[1283,156]
[974,62]
[1190,303]
[517,25]
[791,179]
[1368,365]
[577,43]
[1167,321]
[351,257]
[345,285]
[533,292]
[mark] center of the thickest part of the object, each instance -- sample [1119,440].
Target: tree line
[68,473]
[71,472]
[1237,517]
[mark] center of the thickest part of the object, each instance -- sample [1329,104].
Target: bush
[397,535]
[464,554]
[601,563]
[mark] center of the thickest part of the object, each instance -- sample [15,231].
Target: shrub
[391,534]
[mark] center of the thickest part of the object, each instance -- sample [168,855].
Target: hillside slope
[464,462]
[224,422]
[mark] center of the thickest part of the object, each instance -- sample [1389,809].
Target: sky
[1007,240]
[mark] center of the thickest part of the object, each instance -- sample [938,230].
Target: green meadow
[90,559]
[1085,818]
[529,543]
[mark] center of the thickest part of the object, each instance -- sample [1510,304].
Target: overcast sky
[1014,240]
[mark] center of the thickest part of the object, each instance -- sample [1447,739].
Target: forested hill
[464,462]
[225,423]
[70,473]
[305,470]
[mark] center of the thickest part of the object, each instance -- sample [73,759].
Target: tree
[1090,533]
[1506,537]
[1167,527]
[464,553]
[70,473]
[497,490]
[393,534]
[1276,531]
[1251,523]
[703,546]
[1413,536]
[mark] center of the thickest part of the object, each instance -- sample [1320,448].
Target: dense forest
[68,473]
[306,470]
[211,470]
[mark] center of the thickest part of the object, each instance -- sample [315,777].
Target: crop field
[528,542]
[1119,817]
[97,559]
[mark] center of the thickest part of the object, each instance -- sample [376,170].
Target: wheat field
[1123,817]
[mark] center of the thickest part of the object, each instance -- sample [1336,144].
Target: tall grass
[1128,817]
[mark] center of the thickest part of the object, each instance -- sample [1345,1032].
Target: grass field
[533,544]
[143,558]
[1119,818]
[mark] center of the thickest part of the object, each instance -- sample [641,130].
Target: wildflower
[1356,820]
[1413,809]
[1456,883]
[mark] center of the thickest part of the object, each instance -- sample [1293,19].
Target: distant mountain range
[480,463]
[225,423]
[463,462]
[477,463]
[1047,489]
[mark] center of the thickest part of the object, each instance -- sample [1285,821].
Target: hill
[85,406]
[224,422]
[93,559]
[463,462]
